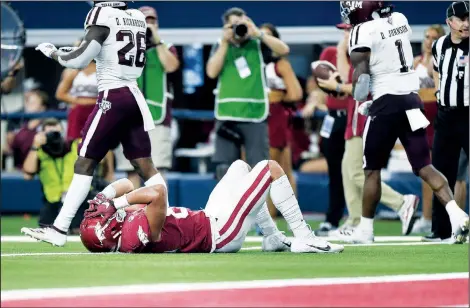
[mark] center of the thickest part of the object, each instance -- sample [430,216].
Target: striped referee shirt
[451,62]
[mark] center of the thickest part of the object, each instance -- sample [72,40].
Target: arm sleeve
[82,57]
[360,38]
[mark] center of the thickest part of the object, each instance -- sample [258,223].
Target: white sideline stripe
[249,239]
[223,285]
[39,254]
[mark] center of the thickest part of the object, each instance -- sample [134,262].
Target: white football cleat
[47,235]
[356,236]
[407,213]
[314,244]
[276,242]
[460,230]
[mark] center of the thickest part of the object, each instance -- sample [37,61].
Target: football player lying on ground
[139,221]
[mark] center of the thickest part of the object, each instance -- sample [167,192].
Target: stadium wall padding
[192,191]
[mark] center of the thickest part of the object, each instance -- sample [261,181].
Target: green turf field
[45,271]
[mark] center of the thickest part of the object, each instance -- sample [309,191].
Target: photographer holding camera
[242,104]
[157,87]
[53,159]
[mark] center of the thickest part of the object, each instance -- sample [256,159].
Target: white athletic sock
[366,224]
[284,199]
[454,210]
[78,191]
[158,179]
[265,222]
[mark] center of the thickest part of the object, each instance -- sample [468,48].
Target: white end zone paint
[30,294]
[39,254]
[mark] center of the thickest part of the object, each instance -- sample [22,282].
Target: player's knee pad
[220,171]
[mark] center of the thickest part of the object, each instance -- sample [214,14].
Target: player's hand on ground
[47,49]
[330,83]
[39,139]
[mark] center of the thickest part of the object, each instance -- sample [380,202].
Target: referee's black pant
[333,149]
[451,135]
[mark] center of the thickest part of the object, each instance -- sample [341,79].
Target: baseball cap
[343,26]
[458,9]
[148,11]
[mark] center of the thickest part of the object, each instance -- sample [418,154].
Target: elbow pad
[361,89]
[81,60]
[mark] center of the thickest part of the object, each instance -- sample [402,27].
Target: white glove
[364,108]
[47,49]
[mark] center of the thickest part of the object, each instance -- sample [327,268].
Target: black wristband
[33,148]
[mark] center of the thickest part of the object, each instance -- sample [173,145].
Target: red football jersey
[184,231]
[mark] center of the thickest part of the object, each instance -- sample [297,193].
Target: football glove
[101,206]
[47,49]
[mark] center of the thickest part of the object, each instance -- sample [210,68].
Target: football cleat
[47,235]
[314,244]
[276,242]
[460,230]
[407,213]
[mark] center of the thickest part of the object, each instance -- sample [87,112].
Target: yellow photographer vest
[56,174]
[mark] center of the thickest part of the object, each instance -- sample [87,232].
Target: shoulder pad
[361,36]
[400,17]
[98,16]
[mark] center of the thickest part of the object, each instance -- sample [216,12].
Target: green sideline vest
[56,174]
[153,85]
[242,99]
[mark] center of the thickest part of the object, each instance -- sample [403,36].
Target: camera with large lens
[239,30]
[54,144]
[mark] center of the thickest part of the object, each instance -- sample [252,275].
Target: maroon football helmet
[102,238]
[356,12]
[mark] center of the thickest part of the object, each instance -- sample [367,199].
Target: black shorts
[382,130]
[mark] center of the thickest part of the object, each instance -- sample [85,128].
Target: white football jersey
[122,56]
[391,59]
